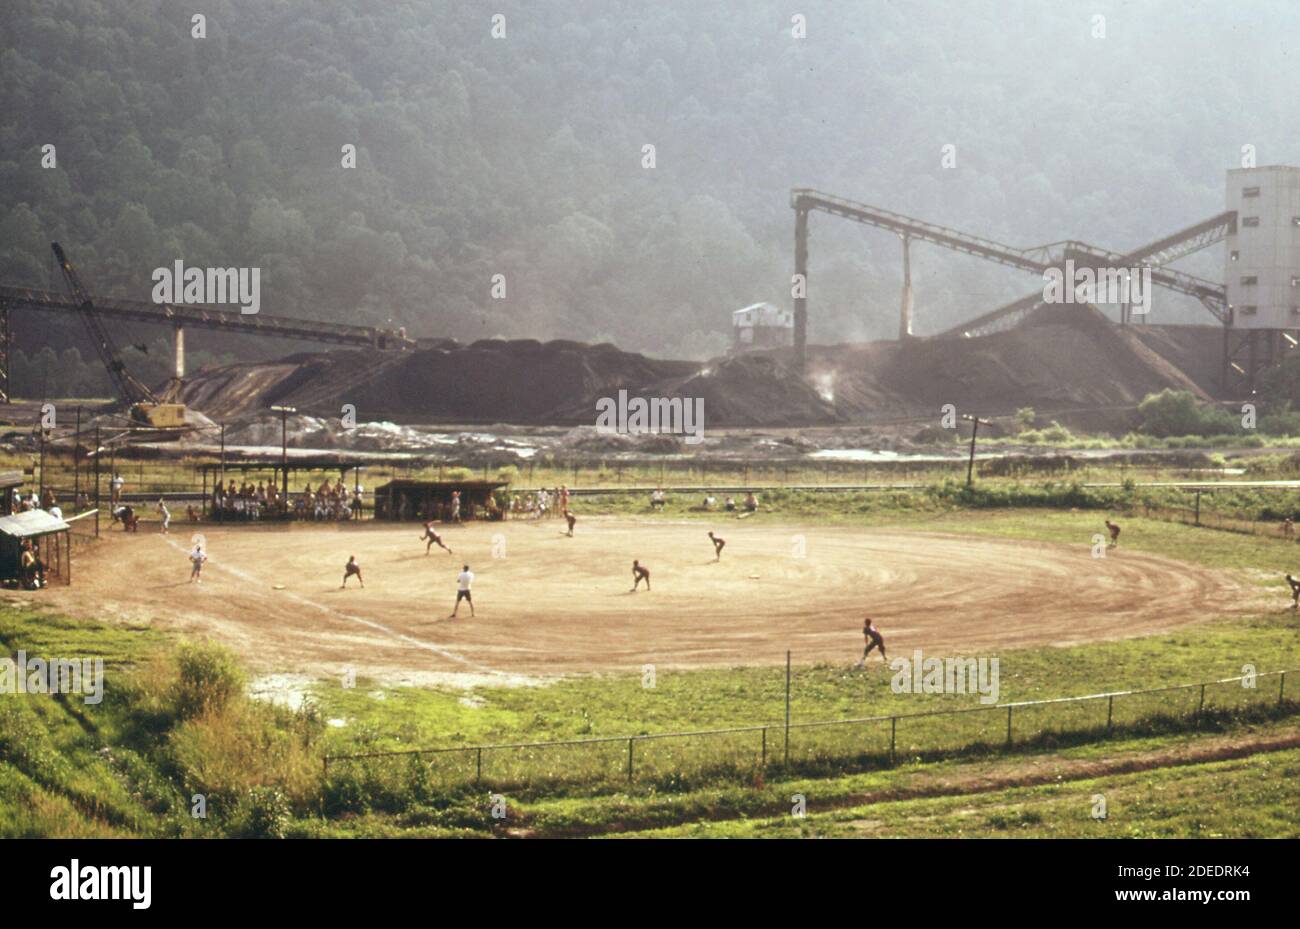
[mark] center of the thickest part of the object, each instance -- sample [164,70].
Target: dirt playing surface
[551,604]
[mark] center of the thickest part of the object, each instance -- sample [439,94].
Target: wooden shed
[50,539]
[422,500]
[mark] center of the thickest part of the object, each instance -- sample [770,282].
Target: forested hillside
[522,155]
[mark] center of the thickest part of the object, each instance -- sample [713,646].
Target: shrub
[262,813]
[207,678]
[1177,413]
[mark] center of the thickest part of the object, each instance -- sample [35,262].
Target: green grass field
[132,764]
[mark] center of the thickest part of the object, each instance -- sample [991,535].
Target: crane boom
[130,389]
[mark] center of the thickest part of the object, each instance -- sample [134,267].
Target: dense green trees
[522,155]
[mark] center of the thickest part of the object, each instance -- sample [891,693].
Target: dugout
[423,500]
[302,467]
[47,533]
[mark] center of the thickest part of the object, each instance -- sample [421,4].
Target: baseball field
[548,604]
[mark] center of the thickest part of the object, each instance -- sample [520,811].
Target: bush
[262,813]
[1177,413]
[207,678]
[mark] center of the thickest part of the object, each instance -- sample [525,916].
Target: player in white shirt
[463,583]
[166,515]
[197,557]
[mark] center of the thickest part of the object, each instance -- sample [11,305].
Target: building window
[1233,256]
[1250,279]
[1250,191]
[1250,221]
[1248,310]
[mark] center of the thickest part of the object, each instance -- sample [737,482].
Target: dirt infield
[551,604]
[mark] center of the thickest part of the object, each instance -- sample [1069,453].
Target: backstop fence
[748,752]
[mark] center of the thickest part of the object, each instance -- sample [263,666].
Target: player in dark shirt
[1114,533]
[434,539]
[873,639]
[718,545]
[639,574]
[350,569]
[1295,591]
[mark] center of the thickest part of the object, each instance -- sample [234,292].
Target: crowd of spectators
[252,502]
[540,504]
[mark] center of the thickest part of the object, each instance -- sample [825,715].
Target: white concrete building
[1262,274]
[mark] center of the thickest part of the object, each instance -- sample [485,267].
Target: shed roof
[31,523]
[406,484]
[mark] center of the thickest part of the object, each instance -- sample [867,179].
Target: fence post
[1281,688]
[763,764]
[787,708]
[1008,727]
[1198,508]
[1201,706]
[893,734]
[629,759]
[1110,713]
[478,766]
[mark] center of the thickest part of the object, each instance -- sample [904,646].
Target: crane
[143,404]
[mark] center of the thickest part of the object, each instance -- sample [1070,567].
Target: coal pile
[1062,358]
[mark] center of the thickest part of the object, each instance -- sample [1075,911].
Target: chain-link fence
[748,752]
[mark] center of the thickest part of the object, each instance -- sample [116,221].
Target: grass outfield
[132,764]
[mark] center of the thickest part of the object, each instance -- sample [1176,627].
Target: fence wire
[675,759]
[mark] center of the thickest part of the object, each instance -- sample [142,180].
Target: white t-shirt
[56,512]
[464,580]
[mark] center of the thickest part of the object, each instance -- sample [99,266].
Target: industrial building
[1262,263]
[761,325]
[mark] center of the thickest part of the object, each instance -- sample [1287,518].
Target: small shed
[48,535]
[423,500]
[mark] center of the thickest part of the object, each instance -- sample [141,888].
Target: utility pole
[76,466]
[40,485]
[284,412]
[97,481]
[975,422]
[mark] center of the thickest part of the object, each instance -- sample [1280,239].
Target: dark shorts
[463,595]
